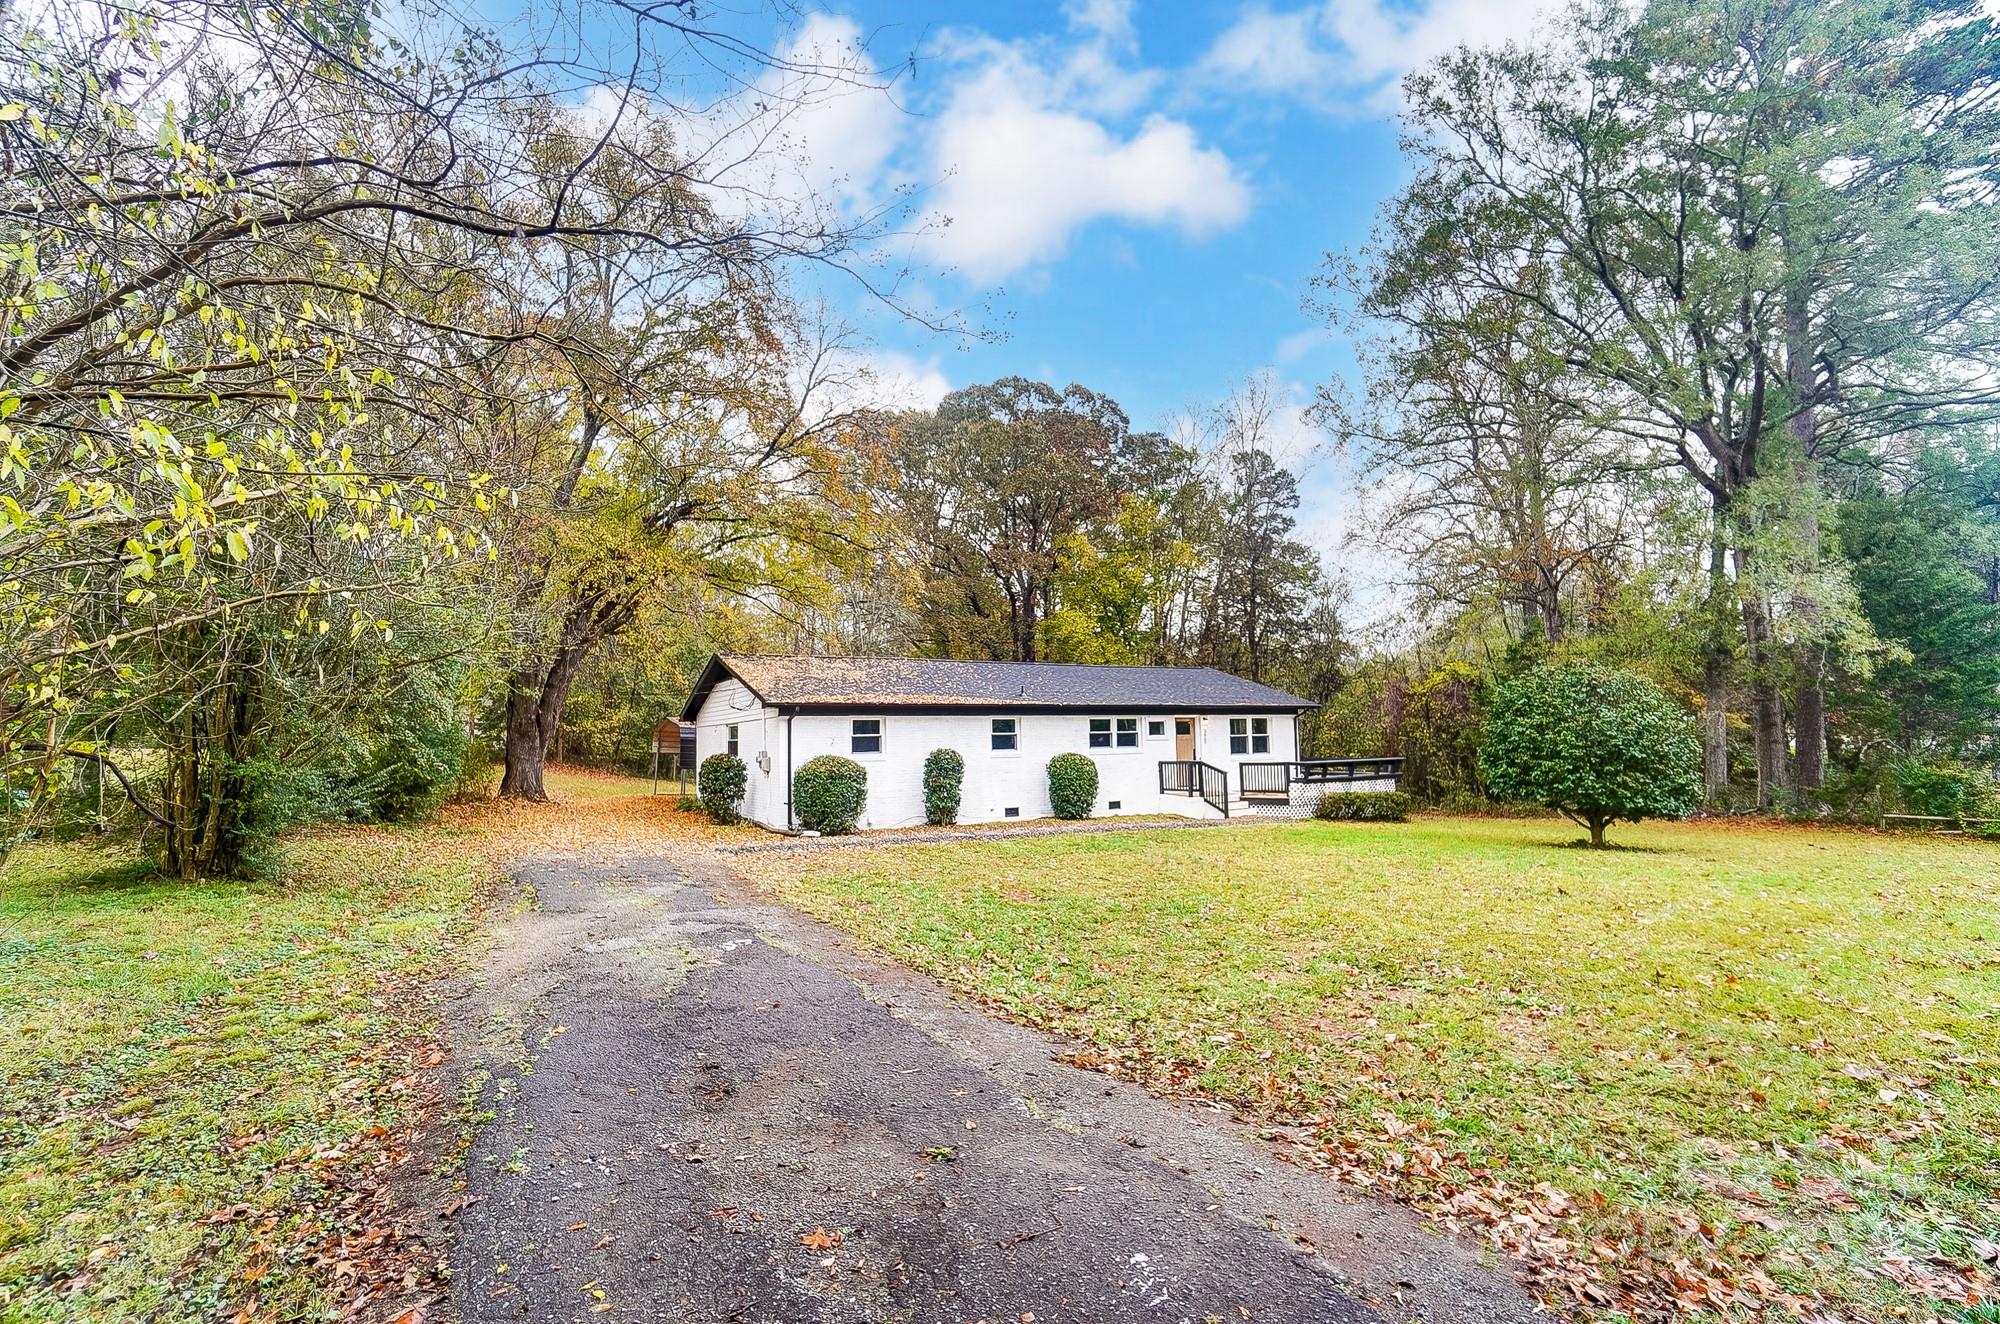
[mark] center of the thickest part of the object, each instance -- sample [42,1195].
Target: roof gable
[939,683]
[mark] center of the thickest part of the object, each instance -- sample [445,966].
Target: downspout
[789,823]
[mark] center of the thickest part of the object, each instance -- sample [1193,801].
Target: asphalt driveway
[705,1107]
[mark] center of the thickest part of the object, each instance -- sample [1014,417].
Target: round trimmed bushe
[828,793]
[1072,785]
[722,781]
[944,781]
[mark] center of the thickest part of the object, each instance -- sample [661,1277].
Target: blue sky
[1129,195]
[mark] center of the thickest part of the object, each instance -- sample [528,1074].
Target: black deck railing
[1274,781]
[1193,777]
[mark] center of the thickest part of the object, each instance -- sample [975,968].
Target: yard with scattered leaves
[202,1084]
[1730,1067]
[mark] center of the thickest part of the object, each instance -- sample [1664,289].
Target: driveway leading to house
[707,1107]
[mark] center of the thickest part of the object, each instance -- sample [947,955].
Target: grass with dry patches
[1769,1053]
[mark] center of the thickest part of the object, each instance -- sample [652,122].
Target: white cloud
[816,132]
[1348,53]
[1023,170]
[1110,20]
[1290,349]
[1268,52]
[899,381]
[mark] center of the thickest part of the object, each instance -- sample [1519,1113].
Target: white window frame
[1013,734]
[731,746]
[1249,735]
[880,736]
[1090,733]
[1156,728]
[1119,732]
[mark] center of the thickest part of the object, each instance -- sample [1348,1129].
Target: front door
[1184,739]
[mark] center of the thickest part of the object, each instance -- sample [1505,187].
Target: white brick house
[1174,740]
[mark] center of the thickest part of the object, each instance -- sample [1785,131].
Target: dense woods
[1683,320]
[383,402]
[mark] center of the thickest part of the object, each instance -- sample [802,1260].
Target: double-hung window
[1006,735]
[732,740]
[866,736]
[1100,733]
[1126,732]
[1249,735]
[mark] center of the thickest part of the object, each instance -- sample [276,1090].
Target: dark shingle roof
[915,682]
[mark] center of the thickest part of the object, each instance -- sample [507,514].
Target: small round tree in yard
[721,781]
[828,792]
[1598,745]
[1072,785]
[944,780]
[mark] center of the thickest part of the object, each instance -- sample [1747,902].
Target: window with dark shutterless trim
[1100,733]
[865,736]
[730,733]
[1006,733]
[1127,729]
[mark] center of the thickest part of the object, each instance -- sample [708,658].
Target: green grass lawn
[195,1076]
[1729,1064]
[189,1069]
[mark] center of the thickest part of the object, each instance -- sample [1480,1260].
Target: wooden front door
[1184,739]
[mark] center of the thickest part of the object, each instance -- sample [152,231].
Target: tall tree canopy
[1759,240]
[310,308]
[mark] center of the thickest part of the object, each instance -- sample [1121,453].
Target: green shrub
[1072,785]
[688,804]
[722,781]
[944,778]
[1597,745]
[1364,806]
[1946,788]
[828,792]
[478,771]
[414,767]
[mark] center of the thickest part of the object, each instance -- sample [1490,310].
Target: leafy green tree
[1763,233]
[1437,727]
[1113,588]
[994,485]
[1599,746]
[1924,558]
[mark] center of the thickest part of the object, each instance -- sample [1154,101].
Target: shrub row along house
[1189,741]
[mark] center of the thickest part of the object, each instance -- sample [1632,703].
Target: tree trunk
[1597,826]
[525,752]
[1809,723]
[207,797]
[1809,705]
[1715,724]
[535,695]
[1767,710]
[1715,673]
